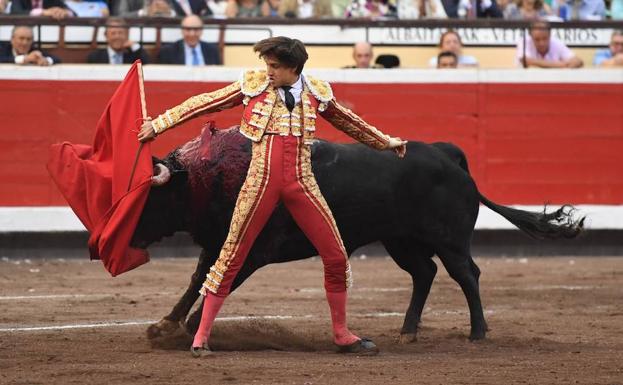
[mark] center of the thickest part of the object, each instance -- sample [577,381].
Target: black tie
[289,98]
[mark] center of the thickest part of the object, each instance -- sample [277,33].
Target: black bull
[423,205]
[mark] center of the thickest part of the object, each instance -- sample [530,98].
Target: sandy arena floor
[552,320]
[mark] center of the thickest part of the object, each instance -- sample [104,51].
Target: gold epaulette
[253,82]
[319,88]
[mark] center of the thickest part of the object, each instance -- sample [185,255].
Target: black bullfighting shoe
[201,351]
[362,347]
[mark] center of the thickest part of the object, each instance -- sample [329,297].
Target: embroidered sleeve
[352,125]
[218,100]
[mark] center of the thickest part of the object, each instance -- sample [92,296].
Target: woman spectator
[450,41]
[527,10]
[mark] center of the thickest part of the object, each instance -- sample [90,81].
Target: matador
[281,105]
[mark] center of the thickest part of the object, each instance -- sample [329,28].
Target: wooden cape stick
[139,66]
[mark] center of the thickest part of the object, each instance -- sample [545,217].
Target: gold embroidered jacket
[260,115]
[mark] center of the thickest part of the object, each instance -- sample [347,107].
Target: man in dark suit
[20,50]
[120,49]
[56,9]
[190,51]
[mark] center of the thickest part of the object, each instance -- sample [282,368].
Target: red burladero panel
[526,143]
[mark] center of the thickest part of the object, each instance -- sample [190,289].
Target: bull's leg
[415,259]
[192,323]
[170,323]
[460,266]
[476,271]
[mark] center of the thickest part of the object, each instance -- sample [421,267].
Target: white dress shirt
[296,90]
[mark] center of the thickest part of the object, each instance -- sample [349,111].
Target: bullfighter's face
[279,74]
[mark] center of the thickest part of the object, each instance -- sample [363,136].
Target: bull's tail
[541,225]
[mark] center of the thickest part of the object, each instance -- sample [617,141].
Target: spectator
[545,51]
[305,9]
[387,61]
[420,9]
[3,6]
[527,10]
[88,8]
[190,50]
[162,8]
[451,41]
[362,55]
[580,9]
[270,8]
[612,56]
[120,49]
[56,9]
[217,8]
[461,8]
[20,49]
[616,9]
[370,9]
[503,4]
[243,8]
[447,59]
[339,7]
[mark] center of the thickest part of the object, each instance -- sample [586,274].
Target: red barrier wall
[526,143]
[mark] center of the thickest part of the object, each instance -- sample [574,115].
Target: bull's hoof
[407,338]
[362,347]
[163,328]
[477,335]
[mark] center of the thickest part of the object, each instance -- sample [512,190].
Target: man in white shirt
[20,50]
[542,50]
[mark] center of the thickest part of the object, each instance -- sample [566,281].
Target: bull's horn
[161,175]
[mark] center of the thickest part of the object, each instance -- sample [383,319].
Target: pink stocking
[211,306]
[341,334]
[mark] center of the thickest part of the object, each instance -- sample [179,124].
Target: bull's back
[373,191]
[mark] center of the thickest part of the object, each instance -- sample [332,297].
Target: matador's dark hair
[289,52]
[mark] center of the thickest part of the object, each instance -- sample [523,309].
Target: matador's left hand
[398,145]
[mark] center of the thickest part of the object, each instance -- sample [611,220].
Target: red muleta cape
[95,179]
